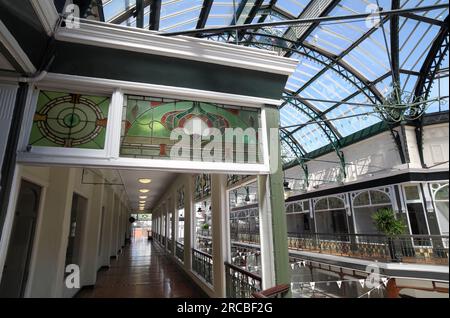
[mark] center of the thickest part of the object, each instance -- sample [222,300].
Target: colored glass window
[67,120]
[148,125]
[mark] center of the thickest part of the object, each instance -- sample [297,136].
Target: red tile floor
[143,270]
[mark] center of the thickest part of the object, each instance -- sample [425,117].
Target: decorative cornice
[149,42]
[46,11]
[101,85]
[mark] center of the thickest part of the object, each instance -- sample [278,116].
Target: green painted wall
[85,60]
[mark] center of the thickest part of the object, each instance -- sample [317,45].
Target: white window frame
[442,184]
[421,200]
[109,157]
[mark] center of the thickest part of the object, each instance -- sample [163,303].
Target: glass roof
[345,67]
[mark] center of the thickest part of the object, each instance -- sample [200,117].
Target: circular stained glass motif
[70,120]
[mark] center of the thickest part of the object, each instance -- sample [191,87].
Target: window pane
[322,204]
[298,224]
[379,197]
[412,193]
[417,219]
[305,205]
[67,120]
[335,203]
[442,194]
[361,199]
[442,215]
[364,223]
[333,222]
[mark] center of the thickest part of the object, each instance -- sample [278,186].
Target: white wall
[47,264]
[436,149]
[376,155]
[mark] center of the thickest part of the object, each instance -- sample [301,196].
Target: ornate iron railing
[430,249]
[202,264]
[252,238]
[241,283]
[179,251]
[204,232]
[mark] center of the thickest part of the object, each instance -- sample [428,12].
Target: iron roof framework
[346,69]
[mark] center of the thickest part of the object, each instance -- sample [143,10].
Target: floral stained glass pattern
[68,120]
[148,123]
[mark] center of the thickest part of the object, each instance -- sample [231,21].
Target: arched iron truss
[298,150]
[294,41]
[430,68]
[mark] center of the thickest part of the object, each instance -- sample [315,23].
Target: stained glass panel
[150,128]
[70,121]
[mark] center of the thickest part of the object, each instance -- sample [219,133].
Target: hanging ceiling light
[144,190]
[143,197]
[247,197]
[145,181]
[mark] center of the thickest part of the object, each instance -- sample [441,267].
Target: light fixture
[247,197]
[144,191]
[143,197]
[142,202]
[145,181]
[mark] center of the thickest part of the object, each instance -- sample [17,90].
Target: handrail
[202,253]
[243,271]
[272,292]
[301,235]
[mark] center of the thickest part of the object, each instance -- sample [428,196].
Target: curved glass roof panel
[351,118]
[293,7]
[222,13]
[329,86]
[291,116]
[345,67]
[179,15]
[305,71]
[311,137]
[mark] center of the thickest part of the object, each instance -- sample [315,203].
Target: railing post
[188,217]
[220,239]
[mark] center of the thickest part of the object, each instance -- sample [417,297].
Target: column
[273,229]
[107,227]
[47,274]
[174,210]
[167,224]
[91,239]
[219,232]
[188,216]
[115,217]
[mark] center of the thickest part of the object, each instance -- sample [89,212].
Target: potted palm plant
[386,223]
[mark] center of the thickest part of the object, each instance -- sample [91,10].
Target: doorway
[16,269]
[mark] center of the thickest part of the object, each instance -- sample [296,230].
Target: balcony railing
[251,238]
[204,232]
[428,249]
[179,251]
[241,283]
[202,264]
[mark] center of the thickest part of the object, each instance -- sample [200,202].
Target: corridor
[143,270]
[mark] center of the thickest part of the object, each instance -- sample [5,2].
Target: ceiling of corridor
[129,181]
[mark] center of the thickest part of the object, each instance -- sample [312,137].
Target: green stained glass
[68,120]
[148,122]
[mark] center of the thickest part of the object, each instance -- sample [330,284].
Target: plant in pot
[205,228]
[386,223]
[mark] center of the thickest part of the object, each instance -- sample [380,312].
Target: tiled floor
[143,270]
